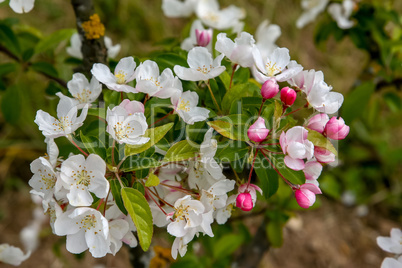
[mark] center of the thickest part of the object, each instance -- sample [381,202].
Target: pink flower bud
[288,96]
[269,89]
[336,129]
[318,122]
[244,201]
[323,155]
[305,195]
[132,107]
[257,131]
[203,37]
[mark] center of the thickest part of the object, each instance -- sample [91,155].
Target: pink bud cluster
[333,128]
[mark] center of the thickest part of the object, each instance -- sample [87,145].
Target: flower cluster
[133,173]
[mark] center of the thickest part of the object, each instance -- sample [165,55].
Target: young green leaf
[180,151]
[319,140]
[152,181]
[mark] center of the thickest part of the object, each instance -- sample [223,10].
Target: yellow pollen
[155,81]
[49,181]
[83,178]
[183,105]
[121,77]
[272,69]
[205,69]
[83,97]
[211,17]
[93,28]
[88,222]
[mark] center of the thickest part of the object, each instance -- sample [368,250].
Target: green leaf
[138,208]
[155,135]
[9,40]
[11,105]
[234,150]
[225,78]
[226,245]
[275,234]
[45,68]
[169,60]
[237,92]
[180,151]
[136,162]
[98,112]
[116,191]
[54,39]
[7,68]
[267,175]
[356,102]
[319,140]
[93,145]
[295,177]
[277,114]
[152,180]
[226,129]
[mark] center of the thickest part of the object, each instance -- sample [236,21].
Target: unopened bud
[288,96]
[336,129]
[244,201]
[203,37]
[257,131]
[269,89]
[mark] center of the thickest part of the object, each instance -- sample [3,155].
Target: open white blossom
[202,66]
[12,255]
[223,214]
[238,52]
[209,12]
[216,196]
[21,6]
[67,121]
[85,228]
[277,65]
[74,49]
[311,9]
[392,263]
[178,8]
[341,13]
[83,91]
[83,176]
[150,82]
[393,243]
[123,74]
[125,126]
[185,105]
[45,179]
[266,36]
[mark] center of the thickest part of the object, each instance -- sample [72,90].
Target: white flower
[53,209]
[83,176]
[67,121]
[187,214]
[392,263]
[45,179]
[177,8]
[312,8]
[74,49]
[85,228]
[277,65]
[266,36]
[202,66]
[21,6]
[52,151]
[150,82]
[312,170]
[341,13]
[210,14]
[392,244]
[191,41]
[83,91]
[127,126]
[12,255]
[123,74]
[239,51]
[185,105]
[223,214]
[216,196]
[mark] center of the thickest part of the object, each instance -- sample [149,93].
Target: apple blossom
[223,214]
[392,263]
[305,194]
[210,14]
[45,179]
[238,52]
[269,89]
[202,66]
[12,255]
[203,37]
[312,170]
[123,74]
[258,132]
[341,13]
[288,96]
[393,243]
[125,127]
[266,36]
[185,105]
[318,122]
[312,8]
[295,145]
[336,129]
[252,189]
[216,196]
[83,176]
[178,8]
[277,65]
[193,40]
[85,228]
[323,155]
[150,82]
[208,150]
[67,121]
[21,6]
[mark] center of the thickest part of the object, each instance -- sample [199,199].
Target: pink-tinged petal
[258,131]
[311,187]
[132,107]
[312,170]
[289,73]
[297,133]
[282,142]
[336,129]
[76,242]
[269,89]
[256,188]
[323,155]
[296,150]
[295,164]
[305,198]
[318,122]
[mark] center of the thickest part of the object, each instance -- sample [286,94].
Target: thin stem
[120,163]
[237,176]
[160,119]
[262,104]
[114,143]
[146,99]
[293,111]
[277,171]
[153,199]
[100,203]
[118,178]
[155,194]
[73,142]
[178,189]
[231,77]
[213,98]
[104,208]
[252,167]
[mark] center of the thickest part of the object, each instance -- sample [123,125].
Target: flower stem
[231,77]
[114,143]
[277,171]
[70,138]
[262,104]
[153,199]
[252,167]
[118,178]
[293,111]
[160,119]
[213,98]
